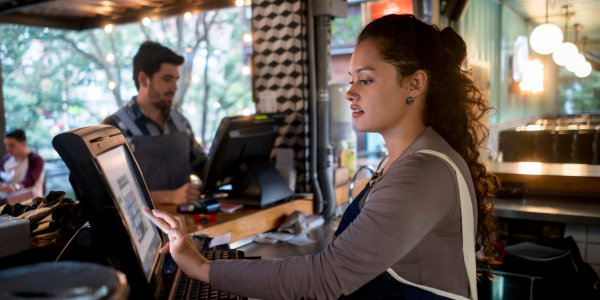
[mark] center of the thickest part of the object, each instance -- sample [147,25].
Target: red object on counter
[209,217]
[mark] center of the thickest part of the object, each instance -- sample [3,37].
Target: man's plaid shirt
[151,128]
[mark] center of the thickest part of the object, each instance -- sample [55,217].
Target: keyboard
[186,288]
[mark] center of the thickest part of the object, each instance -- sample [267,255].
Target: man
[161,138]
[21,168]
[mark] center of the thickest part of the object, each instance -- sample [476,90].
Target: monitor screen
[118,171]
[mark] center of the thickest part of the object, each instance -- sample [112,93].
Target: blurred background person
[21,168]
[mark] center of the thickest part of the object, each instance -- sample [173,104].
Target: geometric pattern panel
[279,64]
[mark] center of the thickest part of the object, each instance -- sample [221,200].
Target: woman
[402,238]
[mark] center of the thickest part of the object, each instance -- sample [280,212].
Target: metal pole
[312,73]
[325,151]
[2,118]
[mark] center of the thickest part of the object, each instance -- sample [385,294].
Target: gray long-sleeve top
[411,223]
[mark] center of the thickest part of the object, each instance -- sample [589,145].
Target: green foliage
[38,77]
[345,31]
[51,75]
[581,95]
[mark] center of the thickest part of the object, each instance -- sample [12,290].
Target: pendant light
[575,62]
[566,51]
[585,69]
[546,38]
[578,59]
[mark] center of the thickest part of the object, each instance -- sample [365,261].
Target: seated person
[20,167]
[160,137]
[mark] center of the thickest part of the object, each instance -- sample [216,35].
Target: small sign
[267,102]
[379,10]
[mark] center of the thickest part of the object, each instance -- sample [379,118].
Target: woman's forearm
[202,271]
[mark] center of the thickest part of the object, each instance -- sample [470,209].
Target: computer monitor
[108,183]
[240,156]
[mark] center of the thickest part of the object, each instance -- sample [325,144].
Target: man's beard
[157,101]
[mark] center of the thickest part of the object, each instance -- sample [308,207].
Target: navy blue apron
[383,286]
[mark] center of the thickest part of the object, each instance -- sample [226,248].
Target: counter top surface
[551,208]
[536,168]
[245,222]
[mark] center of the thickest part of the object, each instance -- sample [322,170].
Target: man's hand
[192,192]
[177,196]
[181,247]
[184,194]
[8,188]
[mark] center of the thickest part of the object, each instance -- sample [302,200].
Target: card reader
[203,206]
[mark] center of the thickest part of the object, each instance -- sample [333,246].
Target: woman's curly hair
[454,105]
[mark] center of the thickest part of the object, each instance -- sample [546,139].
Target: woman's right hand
[181,247]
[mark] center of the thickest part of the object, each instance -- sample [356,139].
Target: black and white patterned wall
[280,72]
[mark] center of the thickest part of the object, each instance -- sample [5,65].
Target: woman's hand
[181,247]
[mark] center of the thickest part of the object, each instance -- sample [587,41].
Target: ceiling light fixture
[546,38]
[566,51]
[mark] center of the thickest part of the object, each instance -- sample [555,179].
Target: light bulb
[247,38]
[546,38]
[146,21]
[565,52]
[575,62]
[245,70]
[187,15]
[110,57]
[108,28]
[112,85]
[584,70]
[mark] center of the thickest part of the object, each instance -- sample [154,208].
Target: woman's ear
[417,84]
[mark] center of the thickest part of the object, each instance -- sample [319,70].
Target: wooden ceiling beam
[77,17]
[41,21]
[166,11]
[16,5]
[53,12]
[125,4]
[98,10]
[86,7]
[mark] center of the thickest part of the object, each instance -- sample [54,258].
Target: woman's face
[378,102]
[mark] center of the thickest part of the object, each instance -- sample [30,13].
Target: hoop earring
[409,101]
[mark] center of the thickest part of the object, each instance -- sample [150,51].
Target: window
[57,80]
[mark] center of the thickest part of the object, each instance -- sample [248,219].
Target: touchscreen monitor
[119,174]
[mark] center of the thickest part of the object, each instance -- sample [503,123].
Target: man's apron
[389,285]
[163,159]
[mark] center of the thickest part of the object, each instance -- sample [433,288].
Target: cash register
[108,183]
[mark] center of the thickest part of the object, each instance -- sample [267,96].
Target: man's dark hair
[150,57]
[17,134]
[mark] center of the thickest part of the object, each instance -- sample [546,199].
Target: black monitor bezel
[143,189]
[80,149]
[224,127]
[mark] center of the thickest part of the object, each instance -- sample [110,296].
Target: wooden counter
[243,223]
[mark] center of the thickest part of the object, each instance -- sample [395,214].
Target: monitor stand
[86,246]
[258,184]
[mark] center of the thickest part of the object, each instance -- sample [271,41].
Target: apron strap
[468,235]
[178,121]
[126,119]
